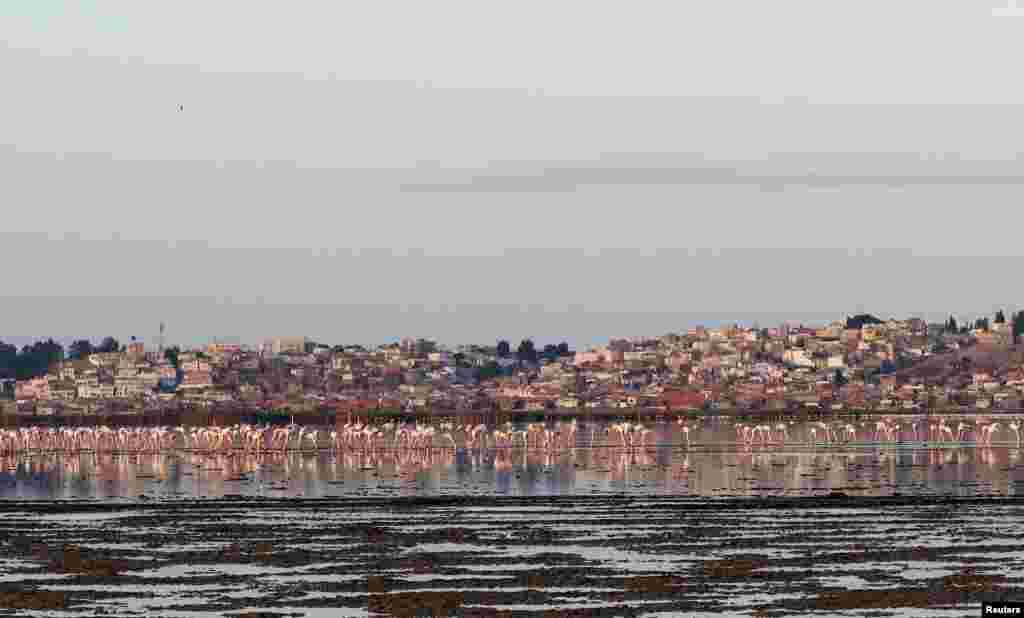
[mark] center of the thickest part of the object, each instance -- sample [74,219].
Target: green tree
[1000,317]
[35,360]
[8,360]
[171,354]
[1018,325]
[489,371]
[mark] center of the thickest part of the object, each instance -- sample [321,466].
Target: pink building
[197,379]
[224,348]
[599,356]
[590,356]
[195,365]
[678,359]
[36,388]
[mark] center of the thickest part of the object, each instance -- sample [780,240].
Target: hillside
[980,357]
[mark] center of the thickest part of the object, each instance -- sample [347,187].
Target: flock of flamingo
[884,430]
[357,437]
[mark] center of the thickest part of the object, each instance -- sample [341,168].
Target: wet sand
[507,556]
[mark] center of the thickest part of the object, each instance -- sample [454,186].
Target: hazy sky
[357,172]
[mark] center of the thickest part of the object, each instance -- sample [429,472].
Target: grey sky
[484,134]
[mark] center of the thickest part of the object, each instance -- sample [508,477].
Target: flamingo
[991,429]
[849,432]
[686,432]
[1015,428]
[645,433]
[783,431]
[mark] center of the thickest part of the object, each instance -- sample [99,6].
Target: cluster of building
[895,364]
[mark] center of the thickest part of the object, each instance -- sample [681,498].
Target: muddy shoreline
[511,556]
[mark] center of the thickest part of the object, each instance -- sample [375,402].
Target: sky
[467,171]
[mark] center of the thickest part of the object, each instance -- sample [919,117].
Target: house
[35,388]
[682,399]
[196,380]
[283,345]
[836,362]
[97,390]
[105,359]
[64,391]
[194,364]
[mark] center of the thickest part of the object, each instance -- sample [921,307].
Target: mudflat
[512,556]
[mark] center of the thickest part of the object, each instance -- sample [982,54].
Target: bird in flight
[181,108]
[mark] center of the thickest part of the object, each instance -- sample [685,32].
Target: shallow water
[661,471]
[588,530]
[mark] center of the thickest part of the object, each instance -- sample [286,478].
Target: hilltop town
[863,363]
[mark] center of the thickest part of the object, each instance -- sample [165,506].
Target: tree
[171,354]
[840,379]
[550,352]
[857,321]
[563,349]
[35,360]
[80,349]
[504,349]
[8,359]
[951,326]
[526,351]
[425,346]
[489,371]
[1000,317]
[109,344]
[1018,325]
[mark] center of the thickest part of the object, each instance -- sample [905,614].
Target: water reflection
[746,470]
